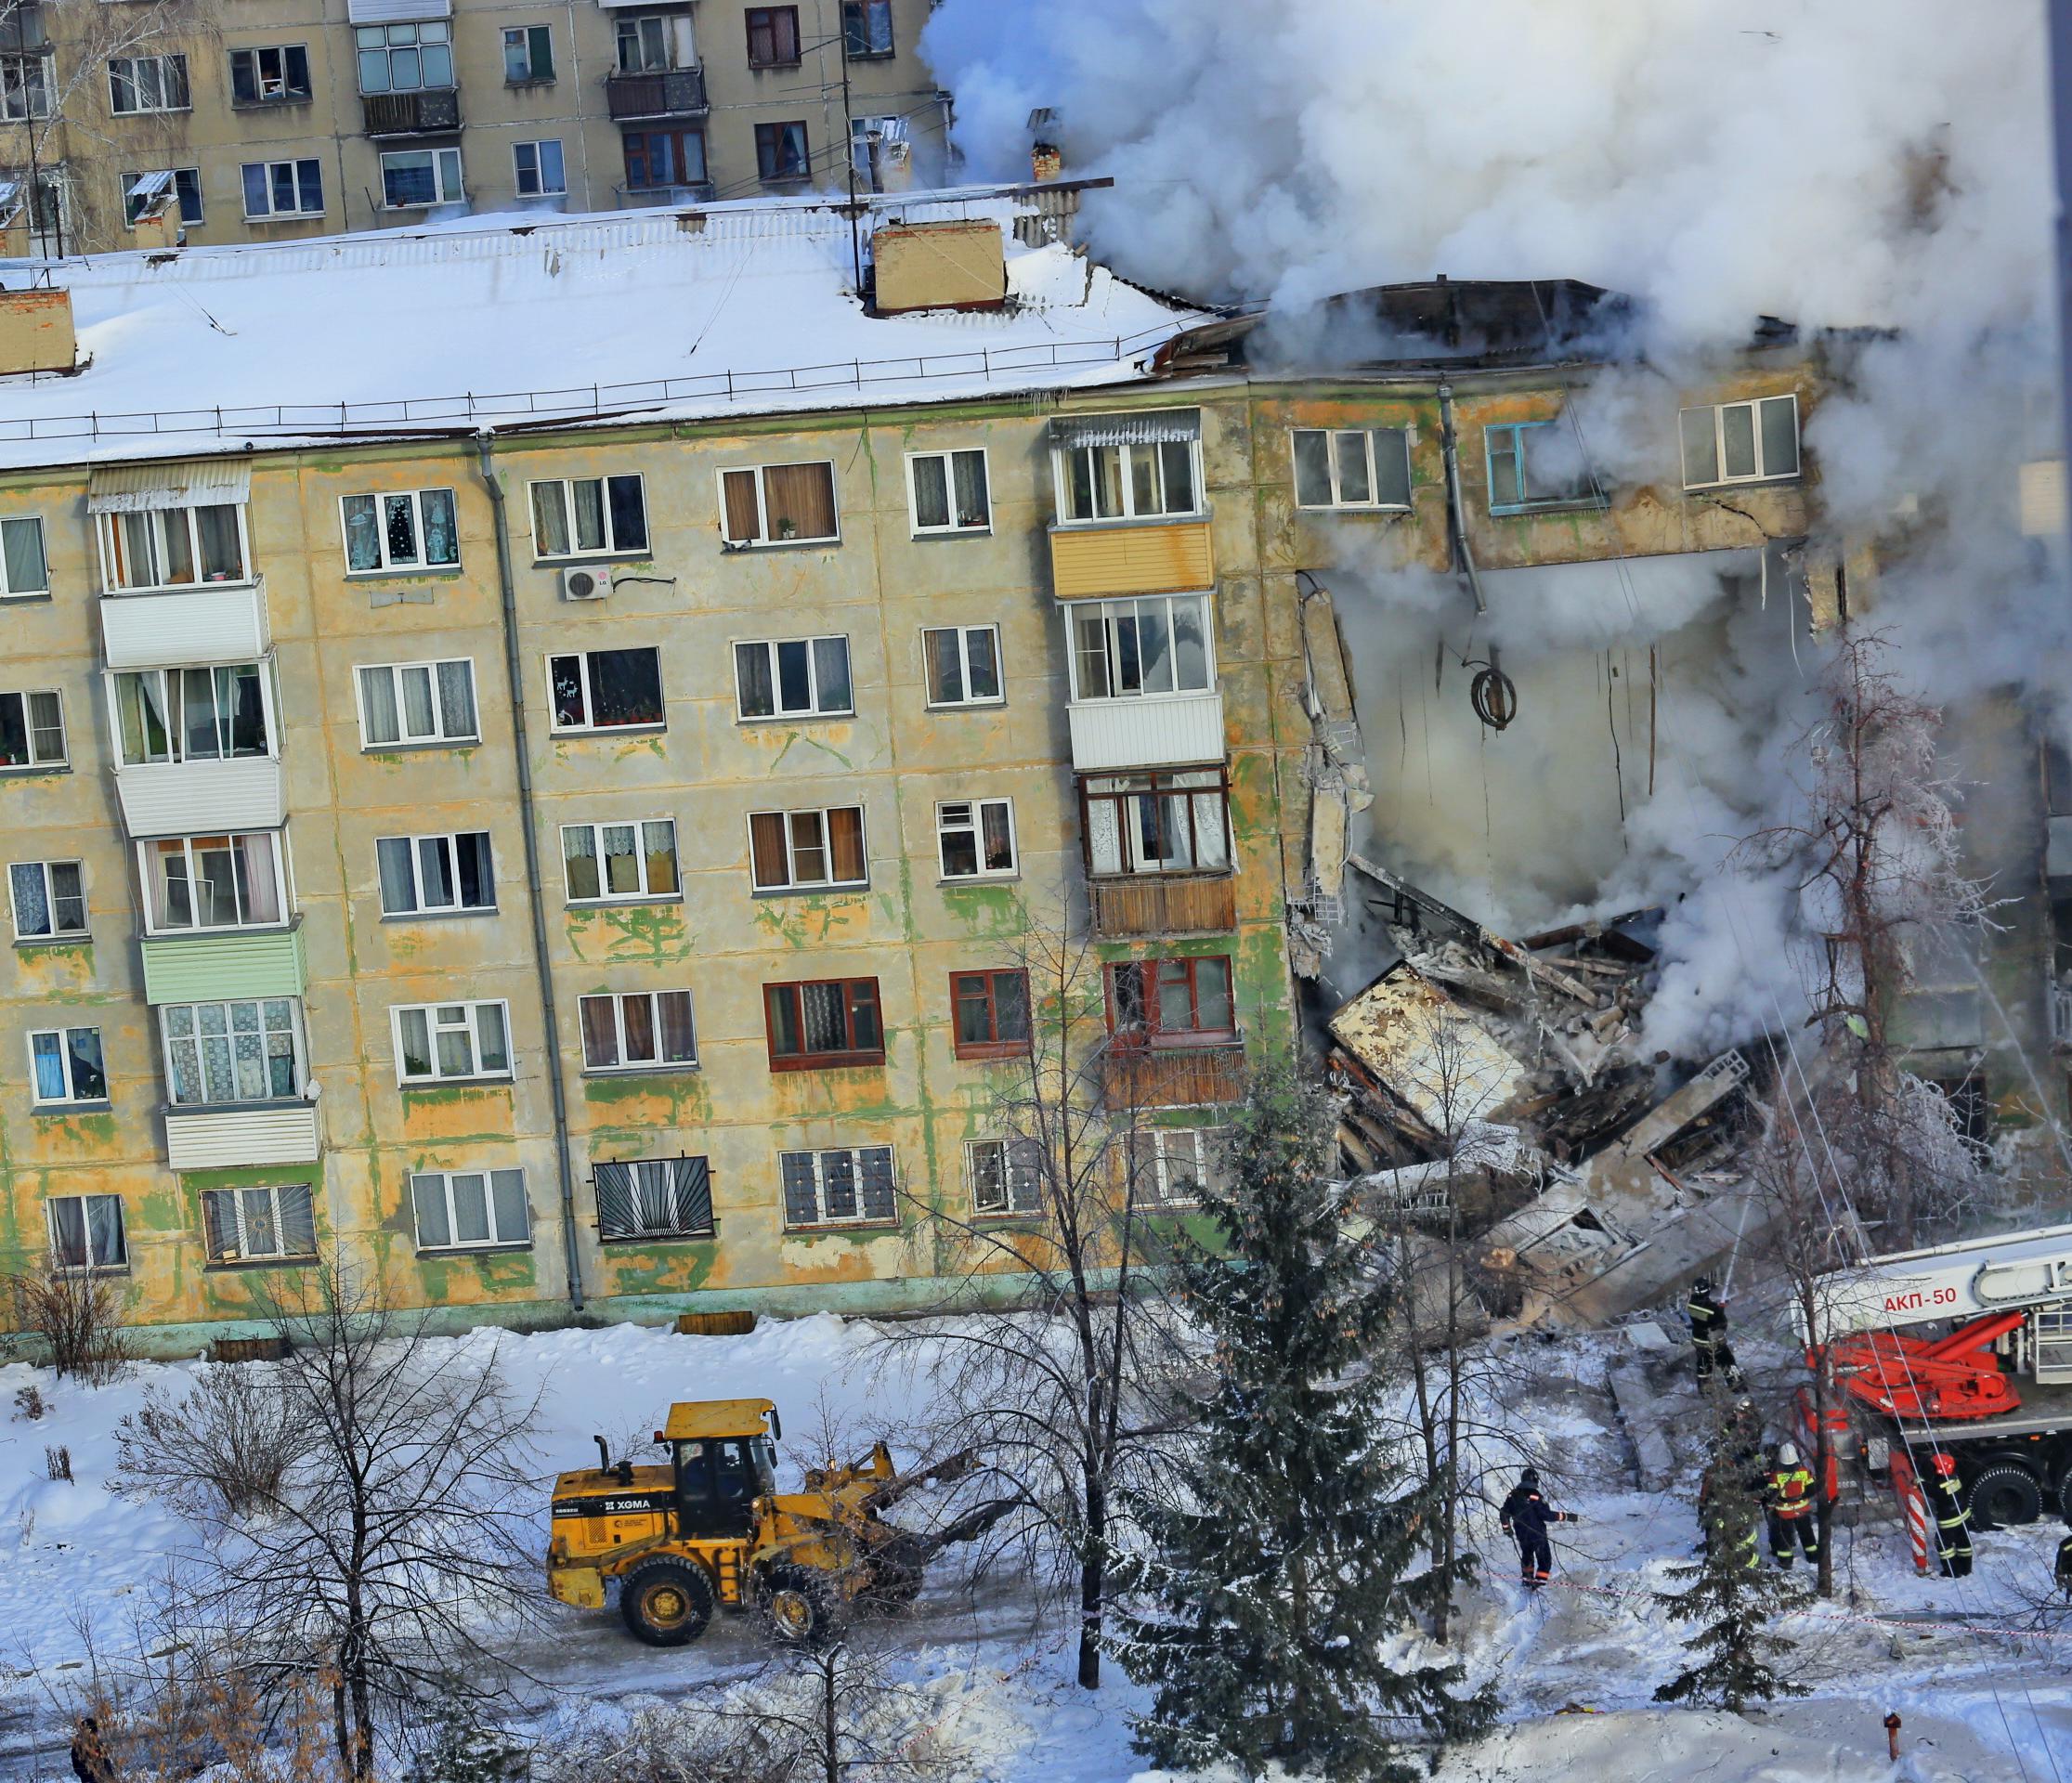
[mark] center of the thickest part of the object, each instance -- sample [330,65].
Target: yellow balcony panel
[257,1133]
[1140,557]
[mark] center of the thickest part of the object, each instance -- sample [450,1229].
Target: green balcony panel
[210,969]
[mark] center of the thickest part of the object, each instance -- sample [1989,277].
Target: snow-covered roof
[503,321]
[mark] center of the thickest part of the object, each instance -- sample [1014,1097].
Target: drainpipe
[485,451]
[1456,516]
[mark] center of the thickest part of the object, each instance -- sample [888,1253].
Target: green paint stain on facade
[988,912]
[651,933]
[811,742]
[806,921]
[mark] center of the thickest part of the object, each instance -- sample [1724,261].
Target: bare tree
[78,1315]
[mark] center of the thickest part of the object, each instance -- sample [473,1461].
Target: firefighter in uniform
[1525,1518]
[2064,1569]
[1790,1503]
[1953,1519]
[1708,1324]
[1744,1537]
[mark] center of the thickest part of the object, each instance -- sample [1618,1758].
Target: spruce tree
[1290,1546]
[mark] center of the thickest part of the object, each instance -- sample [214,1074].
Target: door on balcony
[658,159]
[651,42]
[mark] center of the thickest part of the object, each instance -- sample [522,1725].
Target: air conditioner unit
[585,583]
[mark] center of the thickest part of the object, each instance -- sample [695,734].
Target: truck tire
[665,1603]
[2003,1494]
[2063,1492]
[799,1606]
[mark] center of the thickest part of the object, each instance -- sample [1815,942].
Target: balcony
[201,797]
[430,112]
[1131,557]
[1177,732]
[1172,1077]
[241,1136]
[1154,905]
[210,966]
[660,93]
[635,198]
[178,627]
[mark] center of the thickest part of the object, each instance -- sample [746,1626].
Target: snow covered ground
[1975,1670]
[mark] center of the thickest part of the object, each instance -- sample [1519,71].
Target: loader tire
[665,1603]
[799,1606]
[2002,1495]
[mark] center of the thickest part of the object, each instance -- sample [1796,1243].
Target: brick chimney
[36,332]
[1046,158]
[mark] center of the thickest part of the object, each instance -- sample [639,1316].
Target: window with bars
[1005,1176]
[86,1233]
[974,839]
[228,881]
[850,1186]
[1146,647]
[1171,1002]
[606,689]
[428,874]
[823,1024]
[24,565]
[49,899]
[793,678]
[405,703]
[435,1041]
[949,491]
[1536,464]
[780,504]
[619,862]
[166,715]
[637,1031]
[807,850]
[273,74]
[989,1013]
[247,1050]
[1352,468]
[1169,1165]
[773,36]
[1128,482]
[272,1225]
[589,515]
[149,548]
[65,1066]
[963,664]
[32,729]
[1156,823]
[1741,442]
[470,1210]
[651,1198]
[138,84]
[408,530]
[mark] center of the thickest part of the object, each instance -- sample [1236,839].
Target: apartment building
[206,122]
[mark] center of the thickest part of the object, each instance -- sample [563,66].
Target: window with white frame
[800,850]
[147,547]
[1170,1164]
[974,839]
[606,689]
[86,1233]
[849,1186]
[1144,647]
[283,188]
[272,74]
[1741,442]
[538,169]
[793,678]
[408,58]
[24,567]
[65,1066]
[963,664]
[267,1225]
[470,1210]
[49,899]
[648,42]
[650,1198]
[247,1050]
[137,83]
[168,715]
[226,881]
[32,729]
[1128,482]
[1167,822]
[25,84]
[637,1031]
[412,179]
[1005,1176]
[780,504]
[619,862]
[589,515]
[435,1041]
[527,54]
[402,703]
[435,875]
[412,529]
[949,491]
[1352,467]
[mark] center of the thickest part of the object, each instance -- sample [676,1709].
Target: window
[23,567]
[649,42]
[794,677]
[414,529]
[850,1187]
[25,83]
[779,504]
[437,1041]
[259,1225]
[974,839]
[65,1066]
[424,875]
[275,75]
[1171,1002]
[166,715]
[228,881]
[963,664]
[147,84]
[773,36]
[828,1021]
[49,899]
[603,690]
[991,1013]
[1006,1176]
[527,54]
[589,515]
[1339,469]
[140,188]
[460,1210]
[537,168]
[949,491]
[655,1198]
[32,730]
[1128,482]
[867,28]
[405,59]
[656,158]
[1151,645]
[780,152]
[413,177]
[1741,442]
[283,188]
[1533,463]
[1156,823]
[637,1031]
[86,1233]
[245,1051]
[172,547]
[606,862]
[1169,1164]
[417,702]
[800,850]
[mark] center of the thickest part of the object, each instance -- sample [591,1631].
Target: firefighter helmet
[1945,1462]
[1787,1454]
[1530,1477]
[1701,1285]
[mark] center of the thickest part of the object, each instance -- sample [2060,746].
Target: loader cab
[724,1457]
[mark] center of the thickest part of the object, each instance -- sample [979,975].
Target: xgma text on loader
[708,1526]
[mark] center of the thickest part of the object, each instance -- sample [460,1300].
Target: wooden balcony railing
[1152,906]
[1172,1077]
[661,93]
[411,114]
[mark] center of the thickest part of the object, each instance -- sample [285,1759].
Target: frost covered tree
[1292,1544]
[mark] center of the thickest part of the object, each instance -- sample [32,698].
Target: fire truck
[1967,1349]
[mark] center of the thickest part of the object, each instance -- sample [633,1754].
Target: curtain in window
[738,491]
[238,697]
[200,739]
[1105,835]
[679,1040]
[222,554]
[140,710]
[392,860]
[600,1031]
[845,843]
[822,1010]
[578,854]
[68,1232]
[31,901]
[969,472]
[378,691]
[802,495]
[428,1194]
[932,496]
[659,845]
[363,533]
[1212,836]
[766,849]
[104,1230]
[550,520]
[219,1223]
[638,1015]
[590,514]
[471,1208]
[89,1082]
[489,1024]
[507,1199]
[831,674]
[621,861]
[257,886]
[457,697]
[47,1050]
[298,1221]
[22,542]
[418,720]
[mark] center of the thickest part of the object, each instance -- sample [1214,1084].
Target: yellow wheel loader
[707,1527]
